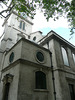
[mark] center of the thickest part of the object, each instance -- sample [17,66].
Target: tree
[51,9]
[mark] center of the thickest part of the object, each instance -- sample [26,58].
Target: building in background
[33,66]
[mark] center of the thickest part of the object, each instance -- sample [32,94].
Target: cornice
[26,62]
[54,35]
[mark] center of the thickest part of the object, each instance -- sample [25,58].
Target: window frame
[11,57]
[22,25]
[34,38]
[66,63]
[73,56]
[41,84]
[45,59]
[72,92]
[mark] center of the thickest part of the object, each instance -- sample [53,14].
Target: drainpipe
[53,79]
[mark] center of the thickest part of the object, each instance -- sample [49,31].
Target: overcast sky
[41,22]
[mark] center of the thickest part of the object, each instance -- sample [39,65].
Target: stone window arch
[40,80]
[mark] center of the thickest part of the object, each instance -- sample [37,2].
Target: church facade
[33,66]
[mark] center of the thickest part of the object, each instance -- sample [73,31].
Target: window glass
[29,37]
[11,58]
[73,57]
[71,88]
[40,56]
[22,25]
[65,58]
[34,38]
[40,80]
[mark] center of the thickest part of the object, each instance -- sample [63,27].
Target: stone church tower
[17,27]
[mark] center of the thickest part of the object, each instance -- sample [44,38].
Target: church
[33,66]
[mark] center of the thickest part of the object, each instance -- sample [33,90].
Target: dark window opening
[22,25]
[71,87]
[29,37]
[40,80]
[11,58]
[6,91]
[40,56]
[34,38]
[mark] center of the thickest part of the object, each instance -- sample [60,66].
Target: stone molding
[7,78]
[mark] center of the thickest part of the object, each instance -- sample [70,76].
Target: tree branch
[7,10]
[4,11]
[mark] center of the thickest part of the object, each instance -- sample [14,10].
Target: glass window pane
[23,26]
[34,38]
[65,58]
[40,56]
[11,58]
[71,87]
[73,57]
[40,80]
[20,24]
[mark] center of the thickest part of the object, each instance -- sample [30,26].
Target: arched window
[22,25]
[73,57]
[11,58]
[34,38]
[71,88]
[65,57]
[40,79]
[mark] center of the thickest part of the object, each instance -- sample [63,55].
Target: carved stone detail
[7,78]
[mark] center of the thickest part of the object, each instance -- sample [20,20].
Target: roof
[30,42]
[54,35]
[36,32]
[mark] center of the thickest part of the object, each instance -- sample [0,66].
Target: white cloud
[41,22]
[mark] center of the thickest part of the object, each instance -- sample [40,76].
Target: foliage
[51,8]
